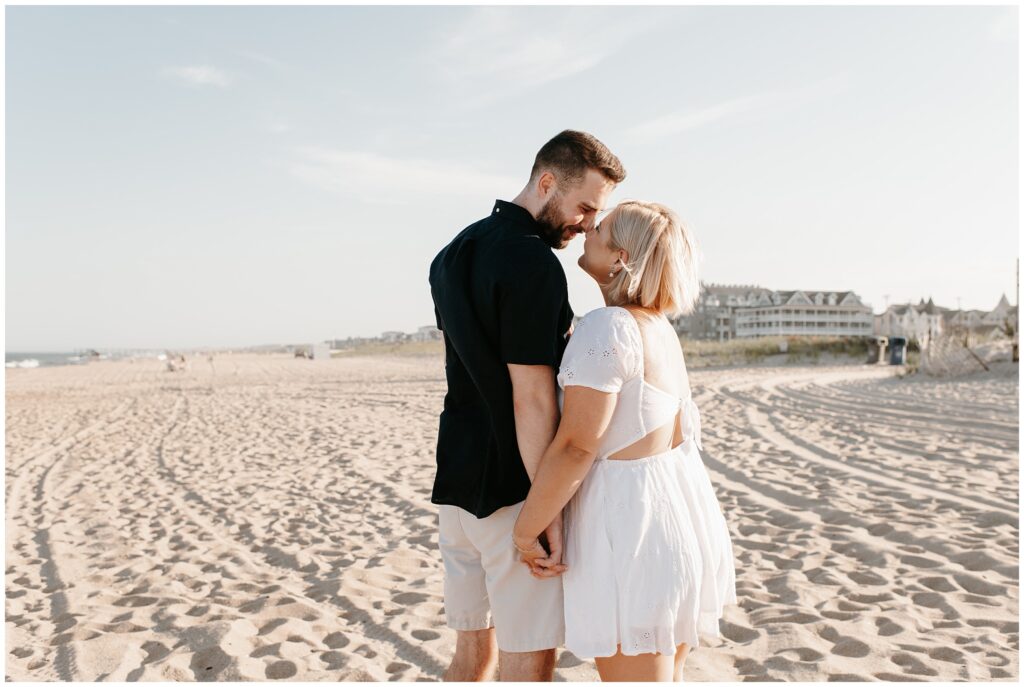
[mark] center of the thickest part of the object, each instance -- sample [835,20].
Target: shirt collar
[514,213]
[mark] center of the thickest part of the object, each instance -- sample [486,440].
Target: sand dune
[263,517]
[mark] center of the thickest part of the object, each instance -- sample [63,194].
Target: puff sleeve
[602,352]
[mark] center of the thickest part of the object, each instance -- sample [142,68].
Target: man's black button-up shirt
[500,297]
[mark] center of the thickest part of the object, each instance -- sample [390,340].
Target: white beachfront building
[804,313]
[919,322]
[725,312]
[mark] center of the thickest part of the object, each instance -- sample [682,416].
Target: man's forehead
[594,190]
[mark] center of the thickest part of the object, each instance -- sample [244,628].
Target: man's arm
[536,411]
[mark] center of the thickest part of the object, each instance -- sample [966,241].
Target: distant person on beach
[501,301]
[648,563]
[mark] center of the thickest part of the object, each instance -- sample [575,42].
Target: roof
[733,289]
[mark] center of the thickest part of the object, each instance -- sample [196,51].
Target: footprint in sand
[888,628]
[803,653]
[406,598]
[976,585]
[843,645]
[425,635]
[912,664]
[867,578]
[948,654]
[281,670]
[334,659]
[929,600]
[920,561]
[938,584]
[336,640]
[738,633]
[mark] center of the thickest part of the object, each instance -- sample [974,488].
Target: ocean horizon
[30,359]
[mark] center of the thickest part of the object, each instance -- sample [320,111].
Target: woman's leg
[681,652]
[640,668]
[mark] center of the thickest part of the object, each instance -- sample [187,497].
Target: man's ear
[546,184]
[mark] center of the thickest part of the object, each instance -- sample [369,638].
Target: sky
[226,176]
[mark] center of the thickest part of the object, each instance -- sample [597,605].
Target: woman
[648,560]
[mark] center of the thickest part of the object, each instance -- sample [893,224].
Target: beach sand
[264,517]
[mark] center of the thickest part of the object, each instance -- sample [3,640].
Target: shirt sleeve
[531,308]
[602,353]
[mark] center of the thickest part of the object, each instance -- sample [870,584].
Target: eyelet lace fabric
[650,558]
[601,352]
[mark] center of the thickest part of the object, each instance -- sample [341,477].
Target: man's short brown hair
[571,153]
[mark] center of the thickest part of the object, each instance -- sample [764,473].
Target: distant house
[917,322]
[426,333]
[392,337]
[926,320]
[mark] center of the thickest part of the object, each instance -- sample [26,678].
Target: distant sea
[42,359]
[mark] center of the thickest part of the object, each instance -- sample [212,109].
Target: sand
[265,517]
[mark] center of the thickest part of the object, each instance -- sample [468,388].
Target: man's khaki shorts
[485,582]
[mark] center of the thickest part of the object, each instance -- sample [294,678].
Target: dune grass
[698,353]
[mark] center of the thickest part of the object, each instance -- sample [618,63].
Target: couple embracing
[574,507]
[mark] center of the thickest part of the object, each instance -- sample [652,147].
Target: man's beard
[553,230]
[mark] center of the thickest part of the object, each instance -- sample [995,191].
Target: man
[501,300]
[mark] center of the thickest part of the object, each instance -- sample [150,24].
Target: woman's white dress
[649,556]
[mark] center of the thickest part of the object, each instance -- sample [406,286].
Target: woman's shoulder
[605,348]
[609,317]
[610,323]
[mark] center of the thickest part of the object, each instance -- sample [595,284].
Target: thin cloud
[677,122]
[199,75]
[391,180]
[498,52]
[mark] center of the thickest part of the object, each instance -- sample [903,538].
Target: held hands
[543,561]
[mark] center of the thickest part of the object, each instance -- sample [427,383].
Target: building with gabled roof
[918,322]
[924,321]
[726,312]
[805,313]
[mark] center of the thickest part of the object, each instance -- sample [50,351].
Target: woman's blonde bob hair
[661,270]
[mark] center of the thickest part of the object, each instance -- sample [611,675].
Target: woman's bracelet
[519,549]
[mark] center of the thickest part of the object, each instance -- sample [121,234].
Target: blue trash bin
[897,350]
